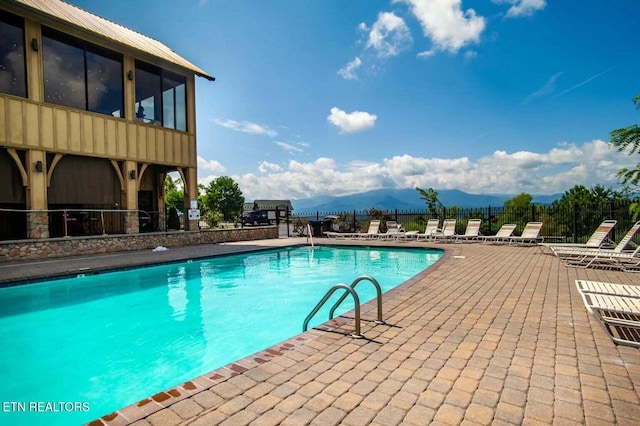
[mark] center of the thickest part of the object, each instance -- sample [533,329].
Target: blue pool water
[73,350]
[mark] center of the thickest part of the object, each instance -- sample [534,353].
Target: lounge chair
[395,231]
[447,232]
[618,315]
[566,252]
[598,287]
[374,228]
[609,259]
[530,234]
[599,237]
[503,234]
[472,232]
[430,229]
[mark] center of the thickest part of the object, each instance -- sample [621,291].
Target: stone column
[37,217]
[131,222]
[38,224]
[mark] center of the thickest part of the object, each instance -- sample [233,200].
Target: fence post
[490,219]
[287,217]
[354,222]
[533,212]
[575,222]
[396,214]
[64,223]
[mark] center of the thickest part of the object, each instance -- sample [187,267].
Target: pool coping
[204,382]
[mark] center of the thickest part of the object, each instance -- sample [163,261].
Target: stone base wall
[75,246]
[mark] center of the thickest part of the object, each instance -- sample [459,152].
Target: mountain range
[406,199]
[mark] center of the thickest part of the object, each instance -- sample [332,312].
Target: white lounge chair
[618,315]
[430,229]
[447,232]
[599,237]
[472,232]
[393,229]
[503,234]
[530,234]
[565,252]
[609,259]
[599,287]
[374,229]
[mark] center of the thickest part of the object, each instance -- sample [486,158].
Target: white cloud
[502,172]
[266,167]
[288,147]
[348,72]
[389,35]
[246,127]
[522,7]
[211,165]
[446,24]
[352,122]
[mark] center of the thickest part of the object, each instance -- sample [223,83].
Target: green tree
[628,139]
[381,215]
[224,196]
[173,193]
[520,201]
[430,196]
[581,209]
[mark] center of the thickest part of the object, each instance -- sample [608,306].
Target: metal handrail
[310,237]
[326,297]
[376,284]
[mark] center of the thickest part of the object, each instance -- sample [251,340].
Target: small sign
[194,214]
[194,203]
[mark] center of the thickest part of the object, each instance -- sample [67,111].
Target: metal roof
[102,27]
[269,204]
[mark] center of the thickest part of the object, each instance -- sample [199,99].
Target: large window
[160,97]
[80,75]
[12,58]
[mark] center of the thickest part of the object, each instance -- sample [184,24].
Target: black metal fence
[573,224]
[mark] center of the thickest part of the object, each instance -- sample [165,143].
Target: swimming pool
[109,340]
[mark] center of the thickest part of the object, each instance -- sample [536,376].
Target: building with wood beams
[93,116]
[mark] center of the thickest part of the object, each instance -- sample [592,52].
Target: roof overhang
[84,21]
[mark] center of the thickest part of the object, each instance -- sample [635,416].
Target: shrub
[173,221]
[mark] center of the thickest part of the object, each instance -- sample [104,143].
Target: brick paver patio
[491,335]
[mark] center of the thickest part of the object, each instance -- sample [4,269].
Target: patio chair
[429,230]
[618,315]
[599,238]
[374,228]
[395,231]
[447,232]
[598,287]
[372,232]
[609,259]
[591,257]
[471,233]
[530,234]
[503,234]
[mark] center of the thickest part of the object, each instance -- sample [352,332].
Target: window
[12,55]
[160,97]
[80,75]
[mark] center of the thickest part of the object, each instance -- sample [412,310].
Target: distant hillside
[405,199]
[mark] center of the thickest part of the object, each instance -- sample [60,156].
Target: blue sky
[332,97]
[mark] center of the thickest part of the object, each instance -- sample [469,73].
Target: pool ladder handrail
[309,234]
[348,290]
